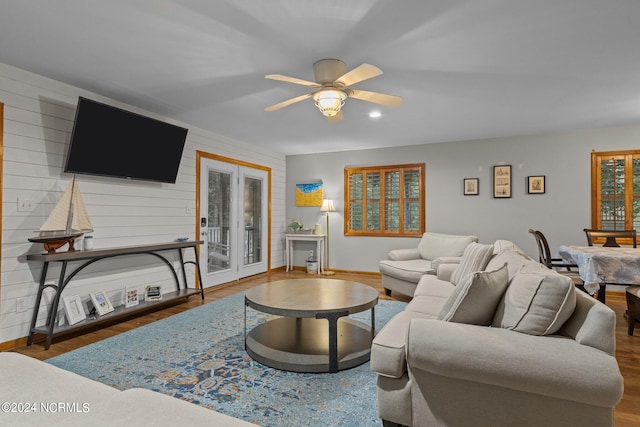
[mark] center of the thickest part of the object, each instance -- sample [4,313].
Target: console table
[51,329]
[290,238]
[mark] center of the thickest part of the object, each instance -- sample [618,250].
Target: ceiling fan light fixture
[329,101]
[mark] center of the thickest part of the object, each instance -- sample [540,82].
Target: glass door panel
[254,205]
[218,221]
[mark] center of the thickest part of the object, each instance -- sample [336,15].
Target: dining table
[603,265]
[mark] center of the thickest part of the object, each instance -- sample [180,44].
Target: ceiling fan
[332,88]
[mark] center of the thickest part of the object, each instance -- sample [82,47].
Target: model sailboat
[68,221]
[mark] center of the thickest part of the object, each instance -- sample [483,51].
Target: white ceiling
[466,69]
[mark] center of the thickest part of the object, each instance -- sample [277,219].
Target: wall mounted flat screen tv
[110,141]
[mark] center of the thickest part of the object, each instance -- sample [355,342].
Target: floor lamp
[327,206]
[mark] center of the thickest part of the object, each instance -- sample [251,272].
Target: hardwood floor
[627,413]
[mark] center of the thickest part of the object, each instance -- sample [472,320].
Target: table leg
[34,318]
[631,311]
[373,320]
[319,253]
[333,337]
[289,255]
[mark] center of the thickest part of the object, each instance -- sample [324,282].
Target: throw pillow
[474,258]
[537,302]
[475,301]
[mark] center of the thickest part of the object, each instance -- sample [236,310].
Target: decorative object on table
[101,303]
[87,243]
[609,238]
[309,194]
[153,293]
[73,309]
[67,221]
[182,239]
[471,186]
[317,230]
[502,182]
[312,264]
[296,225]
[327,206]
[130,296]
[536,184]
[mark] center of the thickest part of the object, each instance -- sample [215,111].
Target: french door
[233,221]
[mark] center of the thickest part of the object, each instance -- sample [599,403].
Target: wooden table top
[308,297]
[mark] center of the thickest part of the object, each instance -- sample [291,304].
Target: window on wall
[384,200]
[615,190]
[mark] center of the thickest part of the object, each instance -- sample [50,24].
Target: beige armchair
[403,268]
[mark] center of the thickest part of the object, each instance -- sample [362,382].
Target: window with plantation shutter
[615,190]
[384,200]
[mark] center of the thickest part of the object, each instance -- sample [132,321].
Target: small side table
[633,306]
[288,248]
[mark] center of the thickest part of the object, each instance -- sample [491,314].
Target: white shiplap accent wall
[39,115]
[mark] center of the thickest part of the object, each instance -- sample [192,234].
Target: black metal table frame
[97,255]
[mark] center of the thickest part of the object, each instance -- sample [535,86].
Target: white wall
[561,213]
[39,115]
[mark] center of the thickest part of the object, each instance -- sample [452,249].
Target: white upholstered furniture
[523,349]
[62,398]
[403,268]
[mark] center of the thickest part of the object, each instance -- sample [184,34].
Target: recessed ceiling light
[375,114]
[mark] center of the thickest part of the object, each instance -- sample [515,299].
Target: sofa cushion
[409,270]
[434,245]
[475,301]
[474,258]
[432,286]
[537,302]
[509,253]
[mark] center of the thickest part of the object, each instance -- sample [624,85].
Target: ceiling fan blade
[288,102]
[337,118]
[376,97]
[293,80]
[358,74]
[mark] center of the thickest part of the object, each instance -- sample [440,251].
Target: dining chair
[547,259]
[610,237]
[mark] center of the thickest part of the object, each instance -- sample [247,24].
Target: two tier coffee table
[313,332]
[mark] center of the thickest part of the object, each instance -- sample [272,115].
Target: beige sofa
[514,345]
[35,393]
[403,268]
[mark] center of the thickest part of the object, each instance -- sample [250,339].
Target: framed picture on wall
[309,194]
[536,184]
[502,182]
[471,186]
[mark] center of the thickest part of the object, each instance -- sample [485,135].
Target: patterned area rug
[199,356]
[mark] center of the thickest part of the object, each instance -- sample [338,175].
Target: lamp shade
[327,206]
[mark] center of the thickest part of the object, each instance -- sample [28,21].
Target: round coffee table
[314,333]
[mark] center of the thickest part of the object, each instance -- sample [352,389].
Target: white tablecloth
[604,265]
